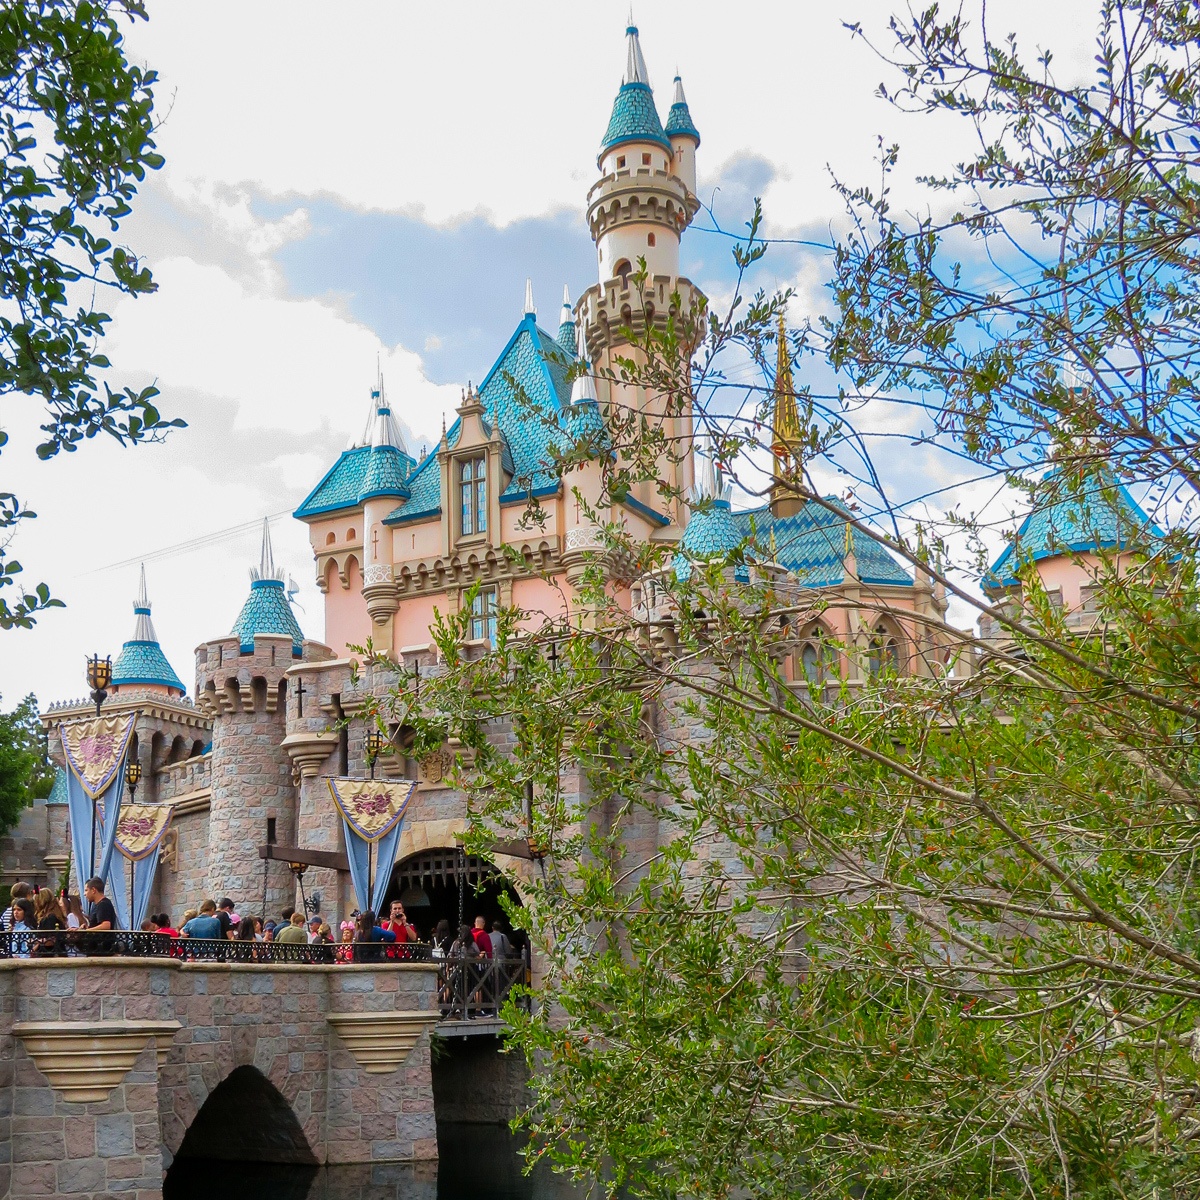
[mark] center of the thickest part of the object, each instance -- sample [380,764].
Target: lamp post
[298,870]
[99,676]
[375,744]
[133,776]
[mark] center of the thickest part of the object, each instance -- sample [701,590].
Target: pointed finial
[266,562]
[679,97]
[143,598]
[583,389]
[568,314]
[530,307]
[143,630]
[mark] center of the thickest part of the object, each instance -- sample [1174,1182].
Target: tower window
[483,616]
[650,239]
[620,161]
[885,653]
[645,160]
[330,538]
[473,486]
[623,269]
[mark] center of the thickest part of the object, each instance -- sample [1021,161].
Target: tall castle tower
[637,211]
[241,681]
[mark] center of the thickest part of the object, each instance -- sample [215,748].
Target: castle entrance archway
[448,884]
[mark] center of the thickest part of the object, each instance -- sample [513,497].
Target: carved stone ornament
[588,537]
[377,573]
[309,749]
[381,1042]
[85,1060]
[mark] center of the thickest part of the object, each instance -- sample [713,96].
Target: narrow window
[351,534]
[620,162]
[650,239]
[885,653]
[270,831]
[473,487]
[645,160]
[483,616]
[330,538]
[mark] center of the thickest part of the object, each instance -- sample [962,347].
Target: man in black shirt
[101,916]
[225,915]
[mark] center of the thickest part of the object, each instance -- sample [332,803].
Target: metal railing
[124,943]
[471,988]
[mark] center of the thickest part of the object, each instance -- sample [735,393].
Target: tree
[76,139]
[868,932]
[26,772]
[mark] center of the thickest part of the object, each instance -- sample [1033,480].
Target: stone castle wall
[270,1018]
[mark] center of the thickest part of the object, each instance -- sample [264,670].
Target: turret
[385,484]
[566,324]
[141,663]
[640,206]
[684,137]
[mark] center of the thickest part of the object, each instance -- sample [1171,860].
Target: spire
[679,119]
[583,390]
[141,662]
[566,323]
[143,631]
[635,64]
[381,428]
[266,569]
[530,307]
[786,434]
[709,483]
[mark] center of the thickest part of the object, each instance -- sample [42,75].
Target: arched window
[330,538]
[650,239]
[623,269]
[885,652]
[351,534]
[816,656]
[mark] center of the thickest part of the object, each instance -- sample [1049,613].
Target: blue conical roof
[634,115]
[1104,517]
[267,609]
[58,793]
[141,661]
[386,474]
[679,119]
[711,532]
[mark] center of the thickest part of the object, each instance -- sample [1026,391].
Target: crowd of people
[360,938]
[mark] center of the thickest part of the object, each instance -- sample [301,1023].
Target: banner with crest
[140,830]
[372,812]
[95,751]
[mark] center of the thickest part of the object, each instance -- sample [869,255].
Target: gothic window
[483,616]
[473,487]
[815,656]
[885,652]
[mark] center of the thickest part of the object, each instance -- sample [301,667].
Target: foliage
[26,773]
[76,140]
[860,932]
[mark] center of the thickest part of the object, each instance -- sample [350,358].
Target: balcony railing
[120,943]
[469,989]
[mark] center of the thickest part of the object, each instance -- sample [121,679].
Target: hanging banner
[371,808]
[95,753]
[140,829]
[95,750]
[371,812]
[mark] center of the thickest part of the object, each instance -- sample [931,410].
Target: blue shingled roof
[566,337]
[267,610]
[144,663]
[58,793]
[1105,517]
[679,123]
[539,365]
[340,486]
[634,119]
[810,544]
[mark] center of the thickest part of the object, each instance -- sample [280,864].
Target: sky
[361,185]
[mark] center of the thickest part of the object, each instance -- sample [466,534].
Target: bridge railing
[469,989]
[123,943]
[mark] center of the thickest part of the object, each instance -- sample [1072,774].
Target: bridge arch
[246,1119]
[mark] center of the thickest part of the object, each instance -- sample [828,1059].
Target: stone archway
[246,1119]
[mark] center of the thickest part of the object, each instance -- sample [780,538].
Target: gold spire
[786,434]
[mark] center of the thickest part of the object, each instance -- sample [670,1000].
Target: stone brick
[34,1179]
[84,1175]
[114,1135]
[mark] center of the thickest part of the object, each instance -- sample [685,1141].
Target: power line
[196,543]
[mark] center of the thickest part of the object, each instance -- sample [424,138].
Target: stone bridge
[110,1068]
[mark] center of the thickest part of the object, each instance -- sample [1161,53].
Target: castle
[245,759]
